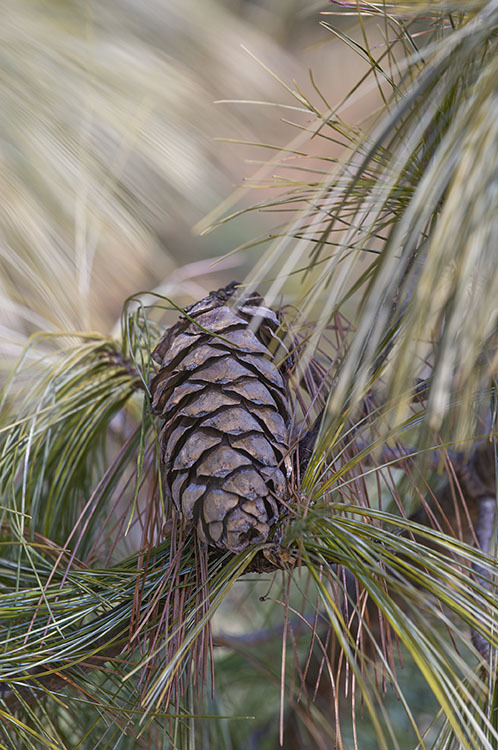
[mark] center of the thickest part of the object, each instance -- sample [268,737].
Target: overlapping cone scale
[225,405]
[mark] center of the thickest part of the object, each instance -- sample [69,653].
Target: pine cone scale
[194,448]
[233,421]
[223,370]
[206,402]
[264,369]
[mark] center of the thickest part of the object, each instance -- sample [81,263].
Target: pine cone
[225,441]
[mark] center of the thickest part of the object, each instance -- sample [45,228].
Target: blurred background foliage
[115,158]
[109,155]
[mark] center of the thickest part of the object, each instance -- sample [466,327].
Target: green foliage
[404,223]
[56,448]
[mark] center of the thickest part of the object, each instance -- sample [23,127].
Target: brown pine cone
[225,440]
